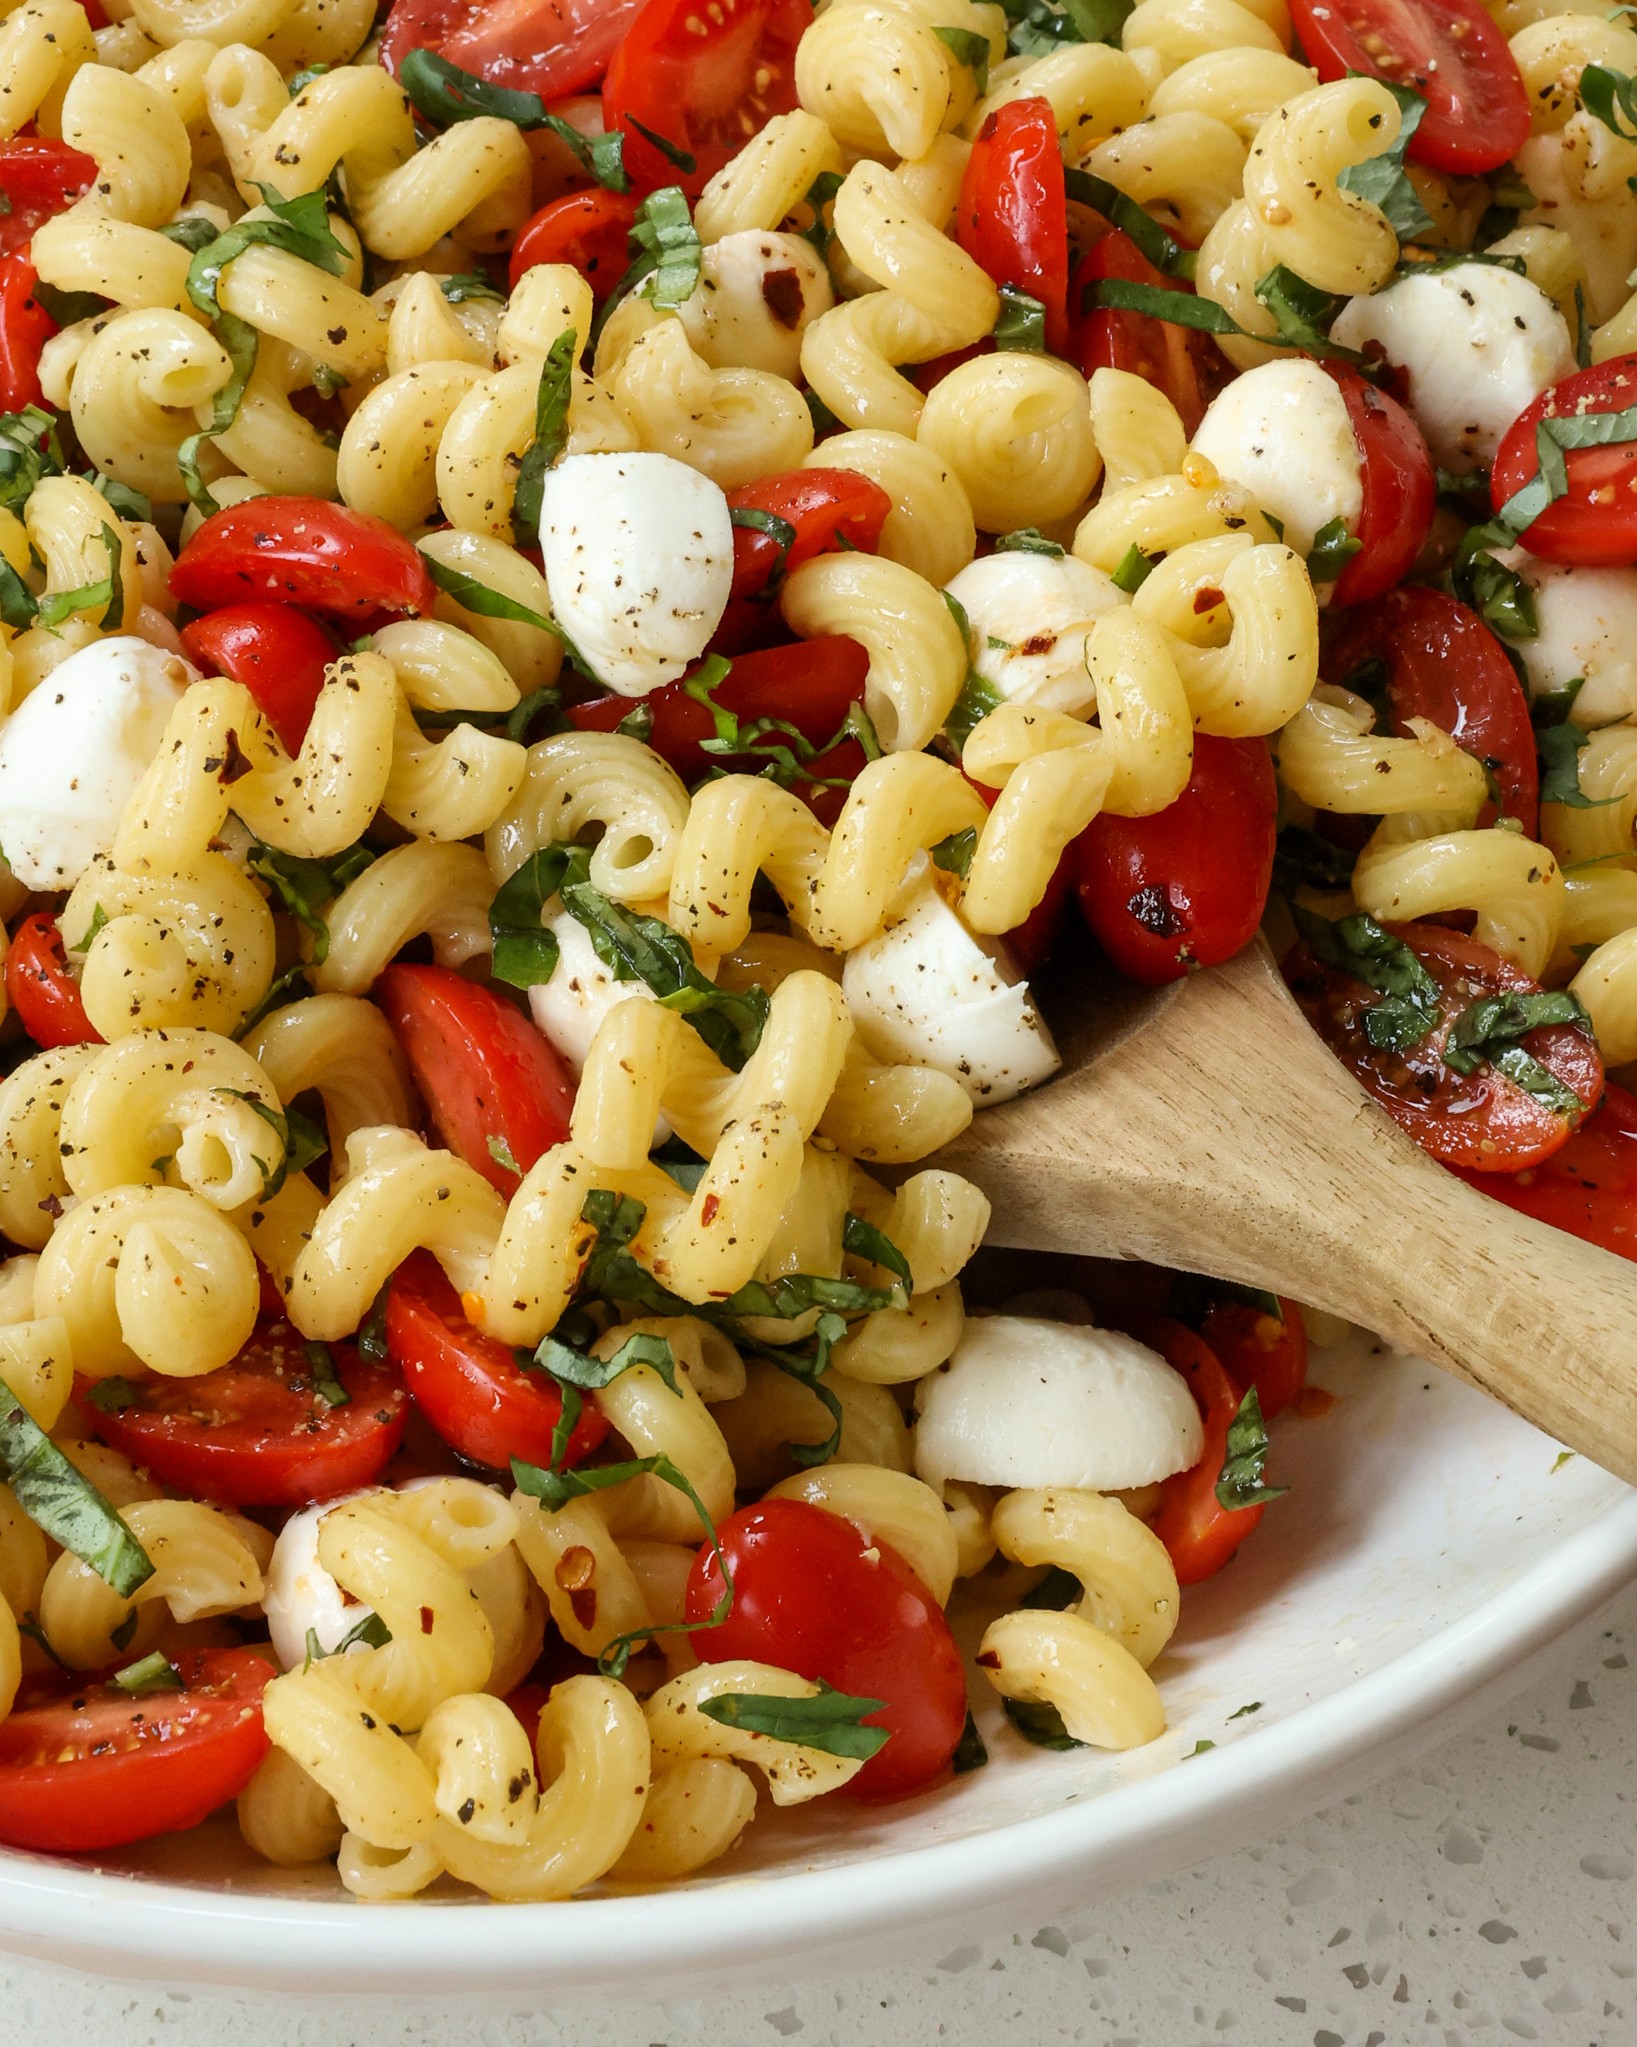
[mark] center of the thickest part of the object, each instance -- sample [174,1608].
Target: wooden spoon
[1206,1126]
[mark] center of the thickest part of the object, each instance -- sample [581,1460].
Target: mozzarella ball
[928,991]
[1477,342]
[1588,629]
[638,555]
[755,297]
[302,1595]
[1030,614]
[1030,1403]
[1283,433]
[73,752]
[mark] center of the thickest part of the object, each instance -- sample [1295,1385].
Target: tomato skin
[808,1597]
[811,684]
[1594,525]
[276,651]
[1483,1120]
[1444,664]
[483,1069]
[830,509]
[1399,484]
[469,1387]
[543,46]
[39,178]
[255,1434]
[171,1758]
[1176,360]
[1197,1530]
[1258,1349]
[1449,51]
[703,79]
[589,230]
[25,328]
[1589,1184]
[302,551]
[40,987]
[1186,887]
[1012,214]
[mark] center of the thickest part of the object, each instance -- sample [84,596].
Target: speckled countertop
[1487,1895]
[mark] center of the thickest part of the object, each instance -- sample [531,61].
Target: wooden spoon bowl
[1206,1126]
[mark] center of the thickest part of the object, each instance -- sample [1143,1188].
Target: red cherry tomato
[811,684]
[1185,888]
[543,46]
[1482,1120]
[1594,524]
[812,1596]
[38,178]
[1185,365]
[590,230]
[40,987]
[1451,53]
[276,651]
[703,78]
[1012,216]
[1589,1184]
[1399,486]
[303,551]
[258,1433]
[25,328]
[829,508]
[85,1766]
[489,1079]
[470,1388]
[1199,1532]
[1257,1349]
[1444,664]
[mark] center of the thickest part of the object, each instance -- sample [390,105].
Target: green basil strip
[1039,1723]
[830,1720]
[807,1365]
[1241,1481]
[525,953]
[1029,540]
[954,854]
[30,448]
[1499,595]
[127,501]
[665,234]
[67,1506]
[241,342]
[860,1239]
[1022,321]
[370,1633]
[106,597]
[1607,95]
[780,531]
[1383,180]
[1134,569]
[68,308]
[1494,1025]
[576,1372]
[1058,1590]
[155,1673]
[304,887]
[967,47]
[478,598]
[1357,946]
[18,605]
[302,1140]
[970,1752]
[1560,748]
[328,1387]
[685,163]
[300,227]
[469,284]
[1159,302]
[1161,248]
[1333,548]
[444,94]
[551,404]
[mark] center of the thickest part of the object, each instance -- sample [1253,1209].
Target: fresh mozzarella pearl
[1030,614]
[569,1007]
[1282,432]
[1027,1403]
[1477,342]
[755,297]
[73,752]
[638,554]
[928,991]
[302,1595]
[1588,628]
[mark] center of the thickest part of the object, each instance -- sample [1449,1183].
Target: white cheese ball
[73,752]
[755,297]
[1588,628]
[1031,1403]
[1282,432]
[301,1594]
[1477,342]
[638,555]
[1030,614]
[929,992]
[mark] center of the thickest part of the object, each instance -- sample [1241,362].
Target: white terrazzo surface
[1485,1896]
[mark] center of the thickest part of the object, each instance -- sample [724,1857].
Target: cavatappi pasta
[556,677]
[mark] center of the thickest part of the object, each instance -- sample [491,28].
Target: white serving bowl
[1429,1544]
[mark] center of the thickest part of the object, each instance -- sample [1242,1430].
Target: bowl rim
[118,1924]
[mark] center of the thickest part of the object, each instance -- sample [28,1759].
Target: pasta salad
[587,592]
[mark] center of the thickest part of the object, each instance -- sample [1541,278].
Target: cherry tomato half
[1199,1532]
[1186,887]
[1012,215]
[1589,1184]
[495,1089]
[706,79]
[38,178]
[41,988]
[258,1433]
[1182,363]
[86,1766]
[1444,664]
[1449,51]
[829,508]
[1257,1349]
[812,1596]
[1481,1120]
[470,1388]
[303,551]
[589,230]
[1399,488]
[1594,524]
[25,328]
[276,651]
[543,46]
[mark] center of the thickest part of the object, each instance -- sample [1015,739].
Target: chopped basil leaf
[1038,26]
[1028,540]
[301,1138]
[975,702]
[637,723]
[28,1624]
[1039,1723]
[300,227]
[967,47]
[1056,1591]
[17,601]
[1199,1748]
[820,194]
[785,764]
[671,251]
[1134,569]
[1383,181]
[1255,1706]
[1022,321]
[1607,95]
[155,1673]
[1582,330]
[525,954]
[370,1633]
[126,500]
[1359,947]
[954,854]
[477,597]
[1161,302]
[303,886]
[468,284]
[1240,1483]
[1301,314]
[1490,1030]
[501,1152]
[1553,706]
[23,460]
[1499,595]
[1161,248]
[99,917]
[970,1752]
[830,1720]
[371,1340]
[106,597]
[551,405]
[68,308]
[824,420]
[1333,548]
[111,1396]
[1560,747]
[575,1373]
[326,1385]
[780,531]
[859,725]
[807,1363]
[123,1636]
[67,1506]
[444,94]
[685,163]
[241,342]
[193,232]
